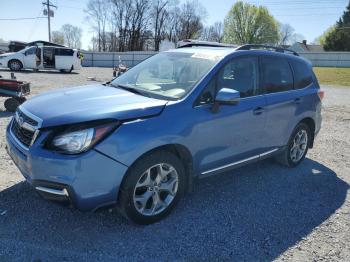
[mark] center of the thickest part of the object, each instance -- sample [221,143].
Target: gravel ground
[259,212]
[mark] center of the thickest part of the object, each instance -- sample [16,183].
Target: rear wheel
[15,65]
[297,147]
[11,104]
[152,187]
[66,70]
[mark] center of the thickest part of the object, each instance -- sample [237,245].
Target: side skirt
[240,163]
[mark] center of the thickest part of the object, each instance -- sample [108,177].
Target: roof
[217,52]
[302,47]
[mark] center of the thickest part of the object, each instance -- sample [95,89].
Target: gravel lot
[259,212]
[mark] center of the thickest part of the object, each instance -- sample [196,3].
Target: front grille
[23,135]
[26,118]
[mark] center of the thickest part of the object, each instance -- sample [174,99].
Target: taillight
[320,94]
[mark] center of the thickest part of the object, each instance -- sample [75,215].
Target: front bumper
[89,180]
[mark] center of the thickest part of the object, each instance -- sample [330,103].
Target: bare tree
[160,15]
[286,34]
[72,35]
[97,11]
[213,33]
[121,25]
[191,16]
[57,37]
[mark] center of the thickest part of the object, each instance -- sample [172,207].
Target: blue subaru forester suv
[140,140]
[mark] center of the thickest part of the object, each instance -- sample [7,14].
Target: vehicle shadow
[255,213]
[29,71]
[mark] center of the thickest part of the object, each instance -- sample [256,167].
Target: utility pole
[49,14]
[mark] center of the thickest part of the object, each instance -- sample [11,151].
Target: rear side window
[302,74]
[276,74]
[64,52]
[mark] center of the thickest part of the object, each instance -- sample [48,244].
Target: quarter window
[302,74]
[276,75]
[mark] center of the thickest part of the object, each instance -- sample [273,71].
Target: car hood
[91,102]
[6,54]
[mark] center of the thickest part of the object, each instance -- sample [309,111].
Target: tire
[66,70]
[295,151]
[21,100]
[15,65]
[11,104]
[141,190]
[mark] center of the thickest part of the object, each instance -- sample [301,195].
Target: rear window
[276,75]
[302,74]
[64,52]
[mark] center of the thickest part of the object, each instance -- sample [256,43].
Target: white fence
[111,59]
[328,59]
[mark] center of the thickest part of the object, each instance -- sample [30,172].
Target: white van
[42,57]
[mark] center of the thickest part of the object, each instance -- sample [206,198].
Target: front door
[234,133]
[30,58]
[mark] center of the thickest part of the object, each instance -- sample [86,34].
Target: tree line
[120,25]
[136,25]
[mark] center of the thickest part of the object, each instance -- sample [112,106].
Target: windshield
[168,74]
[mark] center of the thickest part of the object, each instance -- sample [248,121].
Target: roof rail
[193,43]
[267,47]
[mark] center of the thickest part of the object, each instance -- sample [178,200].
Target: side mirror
[226,96]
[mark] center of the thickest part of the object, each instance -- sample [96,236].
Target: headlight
[78,141]
[1,57]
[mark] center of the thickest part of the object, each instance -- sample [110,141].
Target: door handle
[297,100]
[258,111]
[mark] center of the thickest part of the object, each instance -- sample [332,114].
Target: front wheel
[152,187]
[15,65]
[11,104]
[297,147]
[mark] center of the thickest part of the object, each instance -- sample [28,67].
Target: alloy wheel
[15,65]
[299,146]
[156,189]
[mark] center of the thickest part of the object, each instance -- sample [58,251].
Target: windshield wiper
[131,89]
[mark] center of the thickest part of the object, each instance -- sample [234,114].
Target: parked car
[140,140]
[44,57]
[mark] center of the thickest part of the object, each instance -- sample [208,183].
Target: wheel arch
[183,153]
[14,59]
[311,124]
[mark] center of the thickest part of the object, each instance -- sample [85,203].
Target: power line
[21,18]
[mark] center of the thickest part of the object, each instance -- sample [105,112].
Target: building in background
[305,47]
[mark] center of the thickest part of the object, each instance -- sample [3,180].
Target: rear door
[281,99]
[64,58]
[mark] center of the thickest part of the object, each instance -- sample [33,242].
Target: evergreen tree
[339,38]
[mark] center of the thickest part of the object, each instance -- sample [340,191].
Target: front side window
[302,74]
[31,51]
[240,74]
[169,74]
[276,74]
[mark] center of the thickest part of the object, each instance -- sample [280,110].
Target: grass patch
[333,76]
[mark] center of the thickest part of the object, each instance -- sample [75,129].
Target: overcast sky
[309,18]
